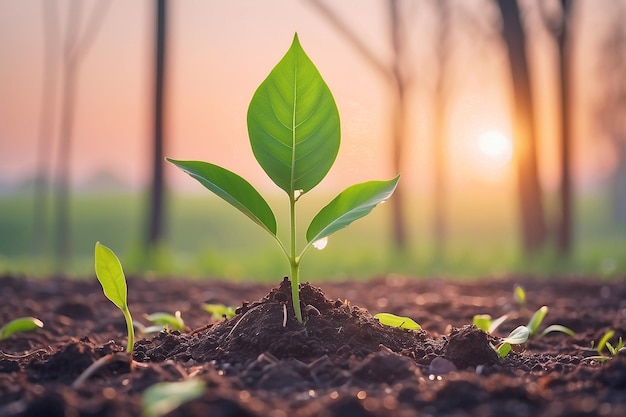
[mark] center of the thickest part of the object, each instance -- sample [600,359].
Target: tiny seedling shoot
[293,127]
[111,276]
[20,325]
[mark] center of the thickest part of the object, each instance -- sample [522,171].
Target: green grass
[206,238]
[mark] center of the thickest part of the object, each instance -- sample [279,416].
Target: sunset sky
[221,51]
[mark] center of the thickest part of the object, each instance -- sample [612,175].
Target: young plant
[111,276]
[20,325]
[486,324]
[537,318]
[519,295]
[161,321]
[604,342]
[518,336]
[400,322]
[164,397]
[218,311]
[167,321]
[293,126]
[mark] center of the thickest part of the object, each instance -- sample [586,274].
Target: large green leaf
[293,123]
[352,204]
[232,188]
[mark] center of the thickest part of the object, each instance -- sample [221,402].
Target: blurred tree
[396,75]
[157,191]
[440,106]
[559,25]
[77,44]
[533,221]
[611,106]
[50,79]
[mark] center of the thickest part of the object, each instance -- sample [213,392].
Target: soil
[343,362]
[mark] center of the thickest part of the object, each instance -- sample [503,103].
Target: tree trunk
[440,104]
[533,224]
[398,119]
[157,194]
[566,187]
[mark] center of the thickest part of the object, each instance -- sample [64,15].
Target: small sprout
[167,320]
[519,295]
[310,310]
[111,276]
[484,322]
[557,328]
[612,350]
[537,318]
[218,311]
[20,325]
[400,322]
[518,336]
[164,397]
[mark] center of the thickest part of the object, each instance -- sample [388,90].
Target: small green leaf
[400,322]
[518,336]
[504,349]
[353,203]
[293,123]
[218,311]
[520,295]
[164,397]
[603,341]
[111,276]
[173,321]
[496,323]
[536,320]
[558,328]
[482,321]
[20,325]
[233,189]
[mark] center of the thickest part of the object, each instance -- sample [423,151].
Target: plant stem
[130,329]
[294,262]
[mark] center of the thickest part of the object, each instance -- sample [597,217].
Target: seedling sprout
[20,325]
[111,276]
[604,342]
[400,322]
[218,311]
[294,131]
[518,336]
[537,318]
[164,397]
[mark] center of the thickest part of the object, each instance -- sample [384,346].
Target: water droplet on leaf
[320,243]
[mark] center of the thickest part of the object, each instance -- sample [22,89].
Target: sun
[495,147]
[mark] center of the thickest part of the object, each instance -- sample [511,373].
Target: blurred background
[507,120]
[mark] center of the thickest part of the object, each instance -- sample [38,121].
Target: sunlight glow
[495,146]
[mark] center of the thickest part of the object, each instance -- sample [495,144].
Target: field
[206,238]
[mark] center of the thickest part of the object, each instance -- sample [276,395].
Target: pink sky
[219,53]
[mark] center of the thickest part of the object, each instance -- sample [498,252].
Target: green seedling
[400,322]
[535,322]
[20,325]
[218,311]
[604,342]
[293,126]
[518,336]
[167,320]
[164,397]
[111,276]
[486,324]
[519,295]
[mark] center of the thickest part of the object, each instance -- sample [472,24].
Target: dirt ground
[341,363]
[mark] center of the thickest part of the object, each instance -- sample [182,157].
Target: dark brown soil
[343,362]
